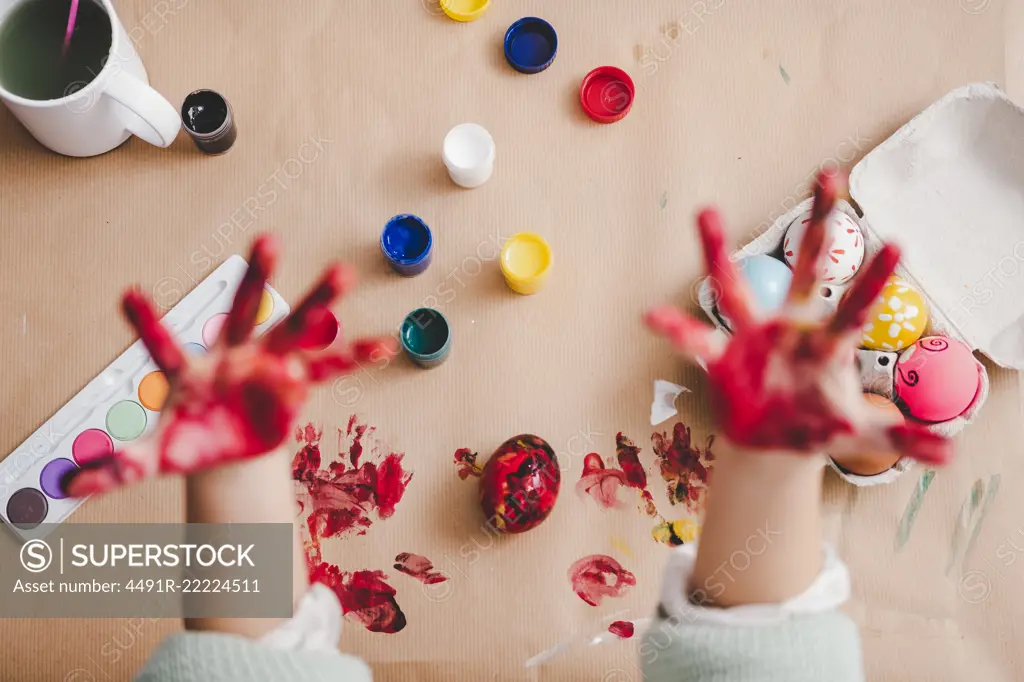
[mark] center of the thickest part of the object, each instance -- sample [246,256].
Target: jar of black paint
[206,117]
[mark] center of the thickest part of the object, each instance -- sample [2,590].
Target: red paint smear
[685,468]
[598,576]
[342,499]
[621,628]
[600,483]
[629,459]
[603,483]
[356,449]
[419,567]
[628,455]
[466,461]
[307,460]
[365,597]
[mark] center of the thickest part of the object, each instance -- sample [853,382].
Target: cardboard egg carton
[947,188]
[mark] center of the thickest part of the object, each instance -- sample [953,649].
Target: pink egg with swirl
[936,379]
[844,246]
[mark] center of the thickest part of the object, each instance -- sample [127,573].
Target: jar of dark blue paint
[407,244]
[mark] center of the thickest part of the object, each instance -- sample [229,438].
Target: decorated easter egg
[520,484]
[844,246]
[873,463]
[897,319]
[937,379]
[768,281]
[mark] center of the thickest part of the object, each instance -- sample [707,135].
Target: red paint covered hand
[789,382]
[242,398]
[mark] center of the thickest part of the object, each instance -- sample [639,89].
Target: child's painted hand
[789,382]
[242,398]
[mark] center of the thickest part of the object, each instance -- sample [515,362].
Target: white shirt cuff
[316,625]
[828,591]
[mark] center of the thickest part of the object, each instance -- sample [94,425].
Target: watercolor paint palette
[120,405]
[946,188]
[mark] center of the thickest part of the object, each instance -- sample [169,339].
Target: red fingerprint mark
[602,483]
[684,467]
[419,567]
[465,459]
[628,455]
[356,432]
[365,596]
[621,628]
[598,576]
[343,501]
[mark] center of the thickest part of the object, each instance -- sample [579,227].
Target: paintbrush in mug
[72,17]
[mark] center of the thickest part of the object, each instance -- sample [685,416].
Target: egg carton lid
[948,186]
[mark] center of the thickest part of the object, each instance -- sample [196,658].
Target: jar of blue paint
[407,244]
[426,337]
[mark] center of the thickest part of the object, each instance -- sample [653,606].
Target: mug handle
[153,119]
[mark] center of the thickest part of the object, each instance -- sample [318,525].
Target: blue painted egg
[768,280]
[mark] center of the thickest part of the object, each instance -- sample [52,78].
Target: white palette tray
[120,405]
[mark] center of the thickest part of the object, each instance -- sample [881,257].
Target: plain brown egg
[872,463]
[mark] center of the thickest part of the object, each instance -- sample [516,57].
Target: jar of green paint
[426,337]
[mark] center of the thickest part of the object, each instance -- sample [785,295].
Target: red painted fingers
[242,316]
[807,268]
[164,350]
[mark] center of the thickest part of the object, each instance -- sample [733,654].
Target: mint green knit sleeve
[304,648]
[213,657]
[806,639]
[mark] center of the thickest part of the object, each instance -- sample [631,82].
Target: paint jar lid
[465,10]
[607,94]
[468,146]
[530,45]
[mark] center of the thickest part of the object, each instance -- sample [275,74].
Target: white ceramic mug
[95,117]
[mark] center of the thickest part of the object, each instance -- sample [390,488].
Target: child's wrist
[773,463]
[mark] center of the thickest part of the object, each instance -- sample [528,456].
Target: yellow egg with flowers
[896,319]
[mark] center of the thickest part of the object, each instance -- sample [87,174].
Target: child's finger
[330,364]
[881,434]
[689,337]
[113,471]
[807,268]
[869,283]
[320,330]
[242,316]
[335,281]
[164,350]
[919,443]
[733,296]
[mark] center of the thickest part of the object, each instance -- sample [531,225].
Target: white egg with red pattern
[844,246]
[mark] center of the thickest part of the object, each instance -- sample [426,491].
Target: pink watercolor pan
[118,406]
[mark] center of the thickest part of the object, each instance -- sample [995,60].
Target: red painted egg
[520,484]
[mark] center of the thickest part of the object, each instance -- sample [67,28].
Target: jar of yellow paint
[525,262]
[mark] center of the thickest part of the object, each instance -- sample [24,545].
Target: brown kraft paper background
[367,91]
